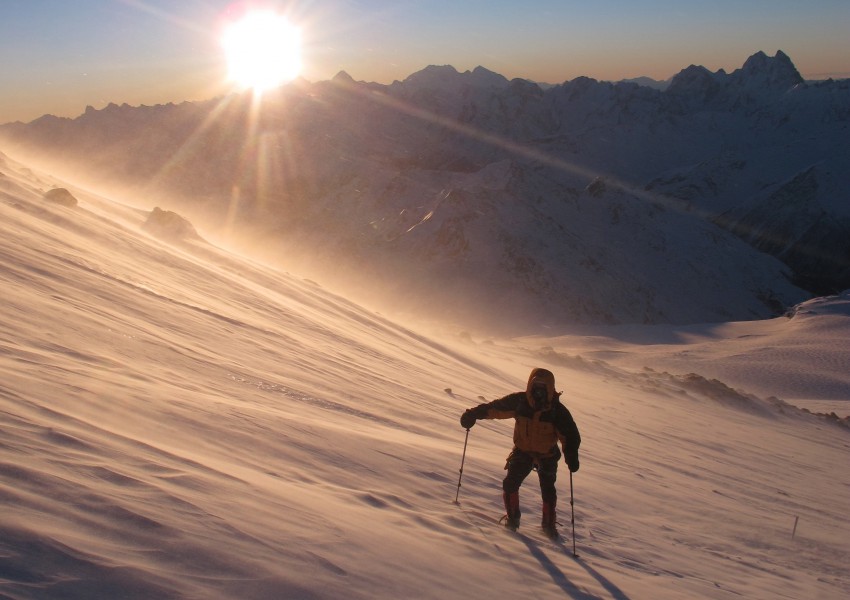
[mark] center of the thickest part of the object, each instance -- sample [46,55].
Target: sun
[263,50]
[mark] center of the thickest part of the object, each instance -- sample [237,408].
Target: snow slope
[801,357]
[182,422]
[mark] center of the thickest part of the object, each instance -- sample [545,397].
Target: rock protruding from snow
[170,226]
[60,196]
[838,304]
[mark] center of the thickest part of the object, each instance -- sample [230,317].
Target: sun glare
[263,50]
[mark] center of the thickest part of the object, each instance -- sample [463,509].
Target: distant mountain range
[721,197]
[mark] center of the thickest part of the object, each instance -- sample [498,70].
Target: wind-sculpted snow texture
[723,196]
[180,422]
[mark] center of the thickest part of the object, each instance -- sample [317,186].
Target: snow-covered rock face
[776,74]
[586,201]
[791,223]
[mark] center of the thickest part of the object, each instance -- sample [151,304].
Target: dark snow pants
[520,465]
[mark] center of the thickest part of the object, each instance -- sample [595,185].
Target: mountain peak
[486,77]
[448,76]
[343,77]
[433,74]
[695,80]
[777,72]
[760,71]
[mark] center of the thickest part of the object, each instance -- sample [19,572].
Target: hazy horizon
[60,58]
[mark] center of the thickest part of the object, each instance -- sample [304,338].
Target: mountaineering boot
[512,510]
[549,522]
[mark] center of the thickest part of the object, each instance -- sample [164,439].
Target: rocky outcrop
[170,226]
[60,196]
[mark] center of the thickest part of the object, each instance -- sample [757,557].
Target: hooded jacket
[539,426]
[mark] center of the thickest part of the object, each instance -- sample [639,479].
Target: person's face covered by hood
[540,389]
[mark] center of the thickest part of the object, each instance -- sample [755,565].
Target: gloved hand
[467,419]
[572,463]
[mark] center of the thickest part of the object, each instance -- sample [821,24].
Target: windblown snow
[182,422]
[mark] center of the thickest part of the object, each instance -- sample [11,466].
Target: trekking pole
[462,460]
[573,514]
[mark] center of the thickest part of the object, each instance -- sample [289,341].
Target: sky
[58,57]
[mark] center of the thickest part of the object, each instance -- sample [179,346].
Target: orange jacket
[538,426]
